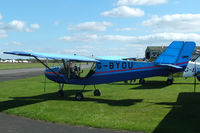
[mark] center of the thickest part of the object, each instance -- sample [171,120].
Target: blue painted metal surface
[111,57]
[176,56]
[53,56]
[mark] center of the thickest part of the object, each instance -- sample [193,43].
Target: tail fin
[178,52]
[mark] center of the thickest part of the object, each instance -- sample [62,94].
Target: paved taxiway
[20,73]
[15,124]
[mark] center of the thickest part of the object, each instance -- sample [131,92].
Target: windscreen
[78,69]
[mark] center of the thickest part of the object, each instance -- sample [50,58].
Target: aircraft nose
[50,75]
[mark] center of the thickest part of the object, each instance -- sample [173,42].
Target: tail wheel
[169,81]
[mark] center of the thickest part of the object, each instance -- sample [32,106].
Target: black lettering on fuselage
[124,65]
[98,65]
[111,65]
[130,65]
[117,63]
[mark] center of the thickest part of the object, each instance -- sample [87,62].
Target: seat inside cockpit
[74,69]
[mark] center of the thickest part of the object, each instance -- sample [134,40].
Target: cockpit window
[195,58]
[78,69]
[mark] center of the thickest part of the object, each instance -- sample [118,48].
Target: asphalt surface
[15,124]
[6,75]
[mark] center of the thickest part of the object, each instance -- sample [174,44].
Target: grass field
[7,66]
[153,107]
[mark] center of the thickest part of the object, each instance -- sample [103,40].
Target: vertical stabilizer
[177,52]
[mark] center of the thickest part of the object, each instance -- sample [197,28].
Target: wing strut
[67,69]
[48,67]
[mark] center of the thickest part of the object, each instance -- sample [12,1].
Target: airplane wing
[53,56]
[111,57]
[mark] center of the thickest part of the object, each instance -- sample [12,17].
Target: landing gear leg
[97,92]
[170,80]
[61,92]
[79,96]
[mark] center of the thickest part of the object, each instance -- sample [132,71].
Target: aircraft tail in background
[178,52]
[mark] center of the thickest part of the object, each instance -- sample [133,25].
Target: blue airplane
[82,70]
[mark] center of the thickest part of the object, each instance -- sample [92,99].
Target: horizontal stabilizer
[53,56]
[170,65]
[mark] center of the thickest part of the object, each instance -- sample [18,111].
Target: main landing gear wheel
[61,93]
[97,92]
[141,81]
[79,96]
[169,81]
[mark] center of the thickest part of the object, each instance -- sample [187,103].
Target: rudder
[177,52]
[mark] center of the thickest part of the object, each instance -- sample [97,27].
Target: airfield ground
[153,107]
[8,66]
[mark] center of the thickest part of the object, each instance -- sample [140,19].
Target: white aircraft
[193,69]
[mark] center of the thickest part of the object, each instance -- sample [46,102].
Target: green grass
[7,66]
[153,107]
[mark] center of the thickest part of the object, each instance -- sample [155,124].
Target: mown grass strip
[153,107]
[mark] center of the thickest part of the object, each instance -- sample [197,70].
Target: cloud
[85,37]
[123,11]
[35,26]
[18,25]
[15,25]
[141,2]
[80,50]
[3,34]
[56,23]
[174,23]
[126,29]
[157,38]
[90,26]
[16,43]
[1,16]
[29,30]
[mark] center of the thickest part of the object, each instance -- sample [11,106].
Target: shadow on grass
[151,85]
[184,116]
[191,83]
[22,101]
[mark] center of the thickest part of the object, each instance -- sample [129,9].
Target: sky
[96,27]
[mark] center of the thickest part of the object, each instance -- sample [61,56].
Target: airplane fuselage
[107,71]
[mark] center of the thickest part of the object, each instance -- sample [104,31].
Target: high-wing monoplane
[82,70]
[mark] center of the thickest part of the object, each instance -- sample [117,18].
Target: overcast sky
[98,27]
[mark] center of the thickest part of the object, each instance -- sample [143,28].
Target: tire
[141,81]
[61,93]
[79,96]
[169,81]
[97,92]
